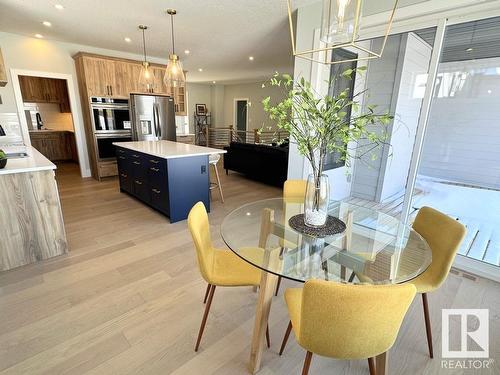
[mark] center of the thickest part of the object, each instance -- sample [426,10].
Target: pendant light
[174,75]
[340,26]
[146,77]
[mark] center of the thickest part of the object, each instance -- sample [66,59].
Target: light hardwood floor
[127,299]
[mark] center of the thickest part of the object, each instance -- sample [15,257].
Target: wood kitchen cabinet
[100,76]
[104,76]
[45,90]
[53,144]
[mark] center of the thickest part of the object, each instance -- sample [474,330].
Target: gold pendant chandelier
[340,25]
[174,74]
[146,77]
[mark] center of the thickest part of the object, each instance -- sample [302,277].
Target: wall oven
[110,116]
[111,122]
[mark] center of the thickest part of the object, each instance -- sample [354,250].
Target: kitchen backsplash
[51,116]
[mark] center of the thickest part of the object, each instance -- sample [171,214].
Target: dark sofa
[268,164]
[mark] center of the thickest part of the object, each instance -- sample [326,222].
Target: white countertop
[33,163]
[168,149]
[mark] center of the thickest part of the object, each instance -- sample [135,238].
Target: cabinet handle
[121,157]
[154,161]
[157,191]
[137,163]
[121,151]
[154,169]
[135,155]
[138,182]
[123,175]
[111,89]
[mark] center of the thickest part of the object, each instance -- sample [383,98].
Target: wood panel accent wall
[31,222]
[105,76]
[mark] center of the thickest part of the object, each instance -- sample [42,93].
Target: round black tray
[332,226]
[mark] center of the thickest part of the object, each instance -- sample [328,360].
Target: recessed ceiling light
[250,58]
[489,91]
[214,82]
[187,52]
[200,70]
[127,39]
[469,49]
[39,36]
[58,7]
[47,23]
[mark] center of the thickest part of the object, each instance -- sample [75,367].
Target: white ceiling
[221,34]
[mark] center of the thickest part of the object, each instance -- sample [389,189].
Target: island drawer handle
[121,157]
[154,169]
[121,151]
[138,182]
[123,175]
[135,156]
[137,163]
[157,191]
[154,161]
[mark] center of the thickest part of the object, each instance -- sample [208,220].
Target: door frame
[73,102]
[235,102]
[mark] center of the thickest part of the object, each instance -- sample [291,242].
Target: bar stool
[213,160]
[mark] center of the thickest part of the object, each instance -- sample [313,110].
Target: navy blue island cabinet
[168,176]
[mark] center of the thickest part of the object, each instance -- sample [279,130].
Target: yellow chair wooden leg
[285,339]
[205,316]
[371,366]
[206,293]
[428,327]
[307,363]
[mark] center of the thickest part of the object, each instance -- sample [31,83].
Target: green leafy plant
[2,155]
[319,124]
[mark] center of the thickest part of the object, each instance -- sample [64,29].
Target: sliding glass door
[377,176]
[459,168]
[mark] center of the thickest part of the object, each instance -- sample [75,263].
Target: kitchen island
[31,221]
[168,176]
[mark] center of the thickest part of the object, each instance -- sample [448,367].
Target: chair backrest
[444,236]
[200,231]
[348,321]
[294,189]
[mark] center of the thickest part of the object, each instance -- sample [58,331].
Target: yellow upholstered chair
[218,267]
[346,321]
[444,236]
[293,192]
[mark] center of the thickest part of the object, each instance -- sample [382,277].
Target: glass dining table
[374,248]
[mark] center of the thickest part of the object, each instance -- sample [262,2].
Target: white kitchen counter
[33,163]
[168,149]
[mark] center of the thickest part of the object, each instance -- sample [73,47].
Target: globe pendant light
[340,26]
[174,74]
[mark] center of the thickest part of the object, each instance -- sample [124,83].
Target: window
[338,84]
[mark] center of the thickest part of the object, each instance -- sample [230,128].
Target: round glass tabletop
[375,248]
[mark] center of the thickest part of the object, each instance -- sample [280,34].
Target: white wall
[462,143]
[255,93]
[198,93]
[40,55]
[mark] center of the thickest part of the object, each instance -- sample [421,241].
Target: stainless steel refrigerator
[152,117]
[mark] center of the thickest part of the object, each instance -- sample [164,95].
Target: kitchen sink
[16,155]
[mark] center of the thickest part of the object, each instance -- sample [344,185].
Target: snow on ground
[478,209]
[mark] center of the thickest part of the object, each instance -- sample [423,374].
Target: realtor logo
[470,338]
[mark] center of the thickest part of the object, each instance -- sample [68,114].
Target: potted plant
[3,159]
[319,125]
